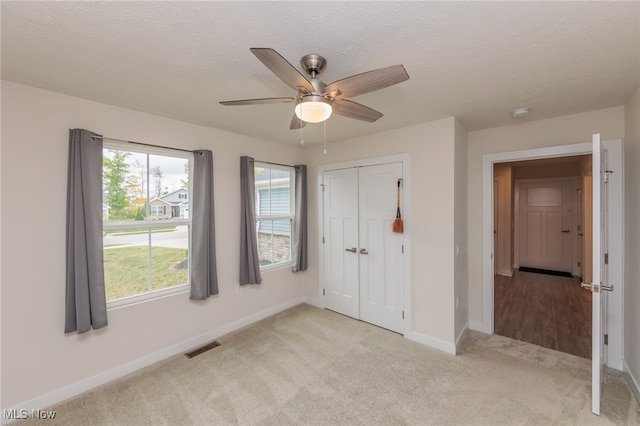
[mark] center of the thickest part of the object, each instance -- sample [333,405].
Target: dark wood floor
[549,311]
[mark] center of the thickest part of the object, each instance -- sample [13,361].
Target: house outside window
[146,225]
[171,205]
[274,213]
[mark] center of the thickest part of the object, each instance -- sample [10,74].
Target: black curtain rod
[140,143]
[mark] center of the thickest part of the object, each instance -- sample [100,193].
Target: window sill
[276,267]
[142,298]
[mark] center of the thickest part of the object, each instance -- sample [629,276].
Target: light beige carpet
[308,366]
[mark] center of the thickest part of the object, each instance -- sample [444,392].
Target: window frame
[272,217]
[152,224]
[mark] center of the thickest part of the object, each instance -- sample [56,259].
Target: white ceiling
[473,60]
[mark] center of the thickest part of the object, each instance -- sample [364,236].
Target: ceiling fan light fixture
[313,109]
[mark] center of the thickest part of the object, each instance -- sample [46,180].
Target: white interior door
[363,260]
[599,285]
[380,249]
[546,223]
[340,224]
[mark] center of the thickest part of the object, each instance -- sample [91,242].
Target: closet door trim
[406,216]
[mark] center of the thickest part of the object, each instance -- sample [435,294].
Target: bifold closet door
[363,258]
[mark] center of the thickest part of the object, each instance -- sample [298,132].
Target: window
[146,225]
[274,213]
[158,210]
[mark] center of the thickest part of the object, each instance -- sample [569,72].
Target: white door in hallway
[363,265]
[546,225]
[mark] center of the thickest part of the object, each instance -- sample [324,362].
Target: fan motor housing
[313,64]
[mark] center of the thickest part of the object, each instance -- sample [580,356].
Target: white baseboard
[311,301]
[478,326]
[505,272]
[92,382]
[633,382]
[432,342]
[460,336]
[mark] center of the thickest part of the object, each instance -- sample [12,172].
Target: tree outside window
[145,221]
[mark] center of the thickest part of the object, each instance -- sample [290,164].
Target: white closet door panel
[341,241]
[381,263]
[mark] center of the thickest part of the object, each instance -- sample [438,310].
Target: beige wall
[461,301]
[570,129]
[37,357]
[429,225]
[632,238]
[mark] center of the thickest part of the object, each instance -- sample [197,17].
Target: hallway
[549,311]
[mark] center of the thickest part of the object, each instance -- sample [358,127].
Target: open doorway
[541,252]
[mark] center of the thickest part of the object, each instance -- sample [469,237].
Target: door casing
[616,237]
[406,216]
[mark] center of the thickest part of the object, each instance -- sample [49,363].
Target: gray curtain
[300,257]
[249,262]
[86,305]
[204,274]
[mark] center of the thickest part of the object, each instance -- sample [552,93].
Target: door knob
[566,231]
[364,251]
[352,250]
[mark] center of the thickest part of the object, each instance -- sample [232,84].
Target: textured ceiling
[473,60]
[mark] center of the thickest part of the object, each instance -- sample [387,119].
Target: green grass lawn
[126,270]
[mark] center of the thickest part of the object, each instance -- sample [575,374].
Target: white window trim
[152,295]
[151,224]
[279,183]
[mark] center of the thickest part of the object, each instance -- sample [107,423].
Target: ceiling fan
[316,100]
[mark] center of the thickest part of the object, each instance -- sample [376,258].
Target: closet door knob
[352,250]
[364,251]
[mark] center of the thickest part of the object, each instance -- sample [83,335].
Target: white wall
[632,239]
[570,129]
[37,357]
[431,225]
[461,297]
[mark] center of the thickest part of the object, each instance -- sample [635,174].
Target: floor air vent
[201,349]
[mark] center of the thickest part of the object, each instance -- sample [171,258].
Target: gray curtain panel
[86,305]
[204,273]
[249,261]
[300,255]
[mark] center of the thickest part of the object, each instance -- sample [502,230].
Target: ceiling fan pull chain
[300,122]
[325,136]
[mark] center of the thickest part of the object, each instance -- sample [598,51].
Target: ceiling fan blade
[263,101]
[366,82]
[355,110]
[296,123]
[282,69]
